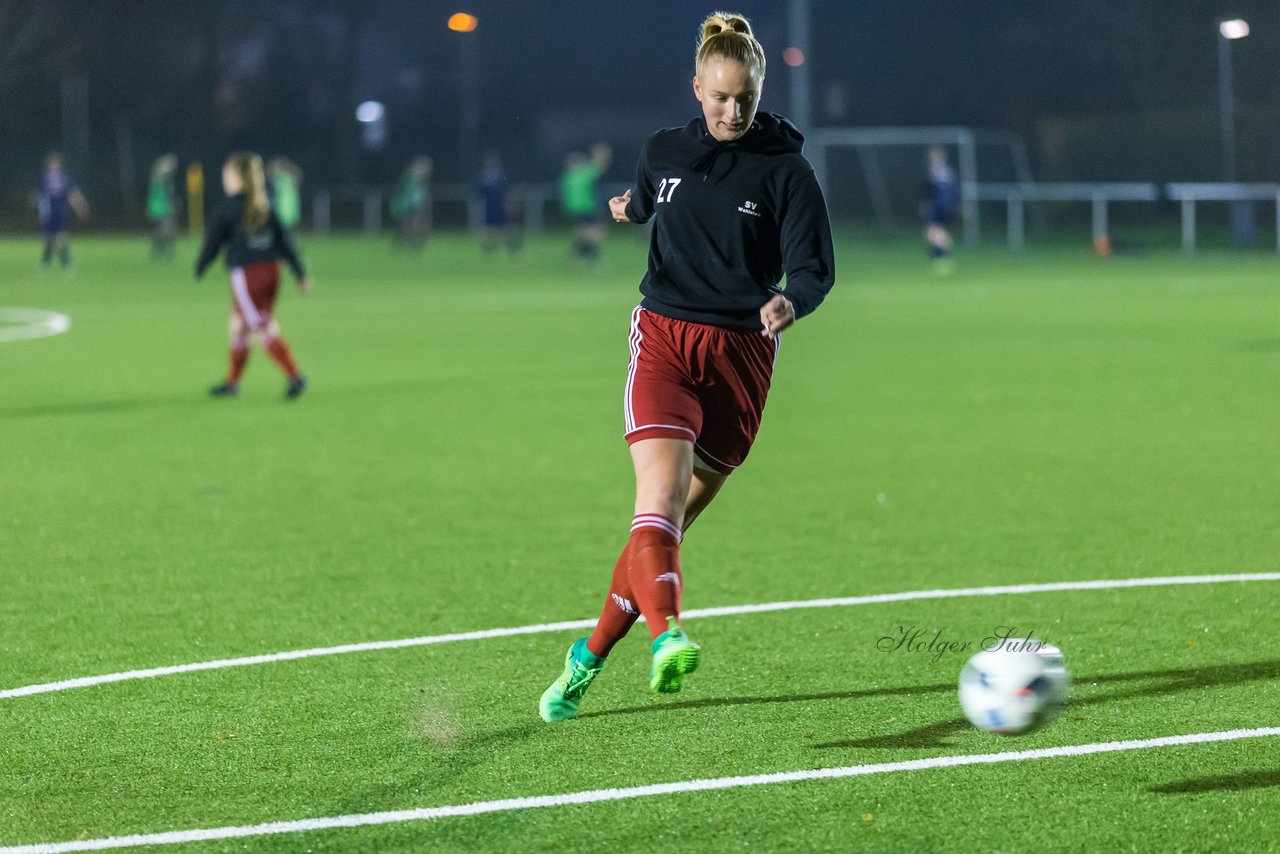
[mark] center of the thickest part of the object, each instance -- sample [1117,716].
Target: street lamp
[372,116]
[469,118]
[1228,31]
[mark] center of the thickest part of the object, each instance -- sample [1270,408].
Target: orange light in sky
[793,56]
[461,22]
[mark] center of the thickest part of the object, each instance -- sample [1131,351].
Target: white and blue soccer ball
[1013,691]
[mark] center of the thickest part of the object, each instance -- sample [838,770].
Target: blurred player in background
[254,239]
[495,195]
[57,199]
[411,205]
[580,199]
[162,206]
[939,199]
[735,207]
[284,184]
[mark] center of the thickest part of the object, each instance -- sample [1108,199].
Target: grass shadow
[905,691]
[1260,779]
[96,407]
[1260,345]
[1166,682]
[1123,686]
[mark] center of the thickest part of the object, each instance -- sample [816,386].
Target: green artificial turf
[457,465]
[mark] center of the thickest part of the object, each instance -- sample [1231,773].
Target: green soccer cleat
[297,385]
[674,655]
[581,666]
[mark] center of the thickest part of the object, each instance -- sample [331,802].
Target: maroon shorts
[253,292]
[698,382]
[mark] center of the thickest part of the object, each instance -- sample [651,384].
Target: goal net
[875,173]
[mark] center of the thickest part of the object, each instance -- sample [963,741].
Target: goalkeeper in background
[939,198]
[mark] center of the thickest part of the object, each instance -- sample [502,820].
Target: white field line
[602,795]
[695,613]
[19,324]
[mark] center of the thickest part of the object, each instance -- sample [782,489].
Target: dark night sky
[1098,88]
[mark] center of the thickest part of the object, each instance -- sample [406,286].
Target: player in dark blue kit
[58,198]
[735,207]
[939,199]
[495,194]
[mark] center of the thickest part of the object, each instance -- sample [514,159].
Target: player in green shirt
[411,205]
[580,199]
[286,195]
[162,206]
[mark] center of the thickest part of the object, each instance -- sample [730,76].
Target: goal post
[868,143]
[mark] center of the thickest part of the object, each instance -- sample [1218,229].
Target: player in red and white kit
[254,239]
[735,207]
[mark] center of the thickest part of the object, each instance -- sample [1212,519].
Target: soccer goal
[880,168]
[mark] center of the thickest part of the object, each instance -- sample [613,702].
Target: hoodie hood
[769,134]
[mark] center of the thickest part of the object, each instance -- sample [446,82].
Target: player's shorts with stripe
[699,382]
[253,292]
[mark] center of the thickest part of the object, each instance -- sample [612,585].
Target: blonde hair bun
[720,22]
[727,35]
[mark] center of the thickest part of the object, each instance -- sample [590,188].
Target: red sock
[655,569]
[620,612]
[281,355]
[239,356]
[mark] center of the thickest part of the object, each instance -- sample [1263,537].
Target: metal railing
[537,204]
[1189,194]
[1100,196]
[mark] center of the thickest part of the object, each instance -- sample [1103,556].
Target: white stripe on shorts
[692,435]
[628,416]
[701,452]
[240,290]
[635,341]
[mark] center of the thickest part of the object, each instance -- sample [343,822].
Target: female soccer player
[736,206]
[411,205]
[58,197]
[254,239]
[284,180]
[580,201]
[162,206]
[939,197]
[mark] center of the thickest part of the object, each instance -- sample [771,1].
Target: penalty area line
[603,795]
[693,613]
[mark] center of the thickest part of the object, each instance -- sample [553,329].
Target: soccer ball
[1013,691]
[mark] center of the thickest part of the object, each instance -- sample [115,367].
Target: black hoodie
[732,218]
[269,243]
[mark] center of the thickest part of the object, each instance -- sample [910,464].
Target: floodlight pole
[800,97]
[469,123]
[1226,109]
